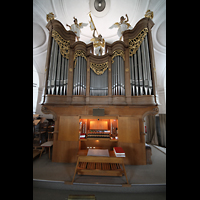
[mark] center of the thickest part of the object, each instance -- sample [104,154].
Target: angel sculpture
[122,26]
[98,42]
[76,28]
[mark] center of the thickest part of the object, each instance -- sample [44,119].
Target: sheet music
[98,152]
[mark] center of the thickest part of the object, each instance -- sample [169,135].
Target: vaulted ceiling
[65,10]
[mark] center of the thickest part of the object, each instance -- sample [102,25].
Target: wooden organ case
[122,82]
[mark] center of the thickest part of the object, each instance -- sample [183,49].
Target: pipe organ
[122,82]
[79,79]
[99,79]
[140,71]
[118,81]
[58,69]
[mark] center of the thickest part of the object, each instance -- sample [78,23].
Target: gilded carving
[135,43]
[63,44]
[149,14]
[50,16]
[118,53]
[79,53]
[99,69]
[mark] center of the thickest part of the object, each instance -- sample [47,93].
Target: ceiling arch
[39,36]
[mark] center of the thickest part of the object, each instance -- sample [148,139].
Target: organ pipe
[58,69]
[79,80]
[140,71]
[98,83]
[118,85]
[139,63]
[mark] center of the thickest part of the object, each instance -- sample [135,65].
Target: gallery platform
[142,178]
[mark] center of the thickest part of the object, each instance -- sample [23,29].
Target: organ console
[122,82]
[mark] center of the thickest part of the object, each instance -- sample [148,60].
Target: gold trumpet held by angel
[98,42]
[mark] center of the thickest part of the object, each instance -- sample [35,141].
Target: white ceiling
[65,10]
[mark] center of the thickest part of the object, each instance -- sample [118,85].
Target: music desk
[99,165]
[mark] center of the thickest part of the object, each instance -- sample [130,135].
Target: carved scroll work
[63,44]
[118,53]
[135,43]
[79,53]
[99,69]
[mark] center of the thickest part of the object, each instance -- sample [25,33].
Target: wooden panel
[135,153]
[98,144]
[68,128]
[98,125]
[65,151]
[128,130]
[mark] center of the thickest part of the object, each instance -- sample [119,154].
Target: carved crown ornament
[118,53]
[79,53]
[149,14]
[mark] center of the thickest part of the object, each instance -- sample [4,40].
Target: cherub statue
[76,28]
[98,43]
[122,26]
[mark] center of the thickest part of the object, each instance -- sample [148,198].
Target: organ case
[122,82]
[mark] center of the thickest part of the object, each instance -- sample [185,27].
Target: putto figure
[76,28]
[122,26]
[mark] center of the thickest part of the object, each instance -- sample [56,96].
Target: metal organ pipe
[50,67]
[65,82]
[148,64]
[118,76]
[58,74]
[140,72]
[132,81]
[136,73]
[58,69]
[79,80]
[53,74]
[144,68]
[140,76]
[98,84]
